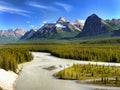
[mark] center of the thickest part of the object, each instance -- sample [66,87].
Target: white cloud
[41,25]
[7,8]
[35,4]
[82,21]
[44,22]
[67,7]
[32,26]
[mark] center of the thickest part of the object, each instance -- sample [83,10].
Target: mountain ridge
[61,29]
[94,25]
[64,29]
[11,35]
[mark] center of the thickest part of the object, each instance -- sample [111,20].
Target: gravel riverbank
[35,76]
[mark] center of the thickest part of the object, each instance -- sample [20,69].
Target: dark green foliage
[87,52]
[105,53]
[103,41]
[11,57]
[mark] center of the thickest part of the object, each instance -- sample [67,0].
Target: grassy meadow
[107,75]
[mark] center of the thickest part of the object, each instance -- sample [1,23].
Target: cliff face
[94,25]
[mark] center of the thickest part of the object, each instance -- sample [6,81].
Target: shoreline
[45,60]
[18,73]
[59,67]
[7,79]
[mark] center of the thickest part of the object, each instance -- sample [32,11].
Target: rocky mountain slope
[14,33]
[61,29]
[94,25]
[28,34]
[11,35]
[115,23]
[64,29]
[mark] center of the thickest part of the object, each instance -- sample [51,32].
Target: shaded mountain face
[94,25]
[116,33]
[61,29]
[28,34]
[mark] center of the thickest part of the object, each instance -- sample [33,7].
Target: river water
[35,77]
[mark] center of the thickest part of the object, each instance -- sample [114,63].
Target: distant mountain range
[63,29]
[11,35]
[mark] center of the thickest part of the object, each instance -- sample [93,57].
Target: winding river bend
[34,77]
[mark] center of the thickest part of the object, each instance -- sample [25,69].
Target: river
[34,77]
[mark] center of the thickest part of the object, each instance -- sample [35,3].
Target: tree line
[87,52]
[11,57]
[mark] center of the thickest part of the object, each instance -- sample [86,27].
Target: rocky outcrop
[61,20]
[94,25]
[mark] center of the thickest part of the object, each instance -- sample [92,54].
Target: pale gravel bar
[34,77]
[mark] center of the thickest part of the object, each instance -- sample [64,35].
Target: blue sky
[29,14]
